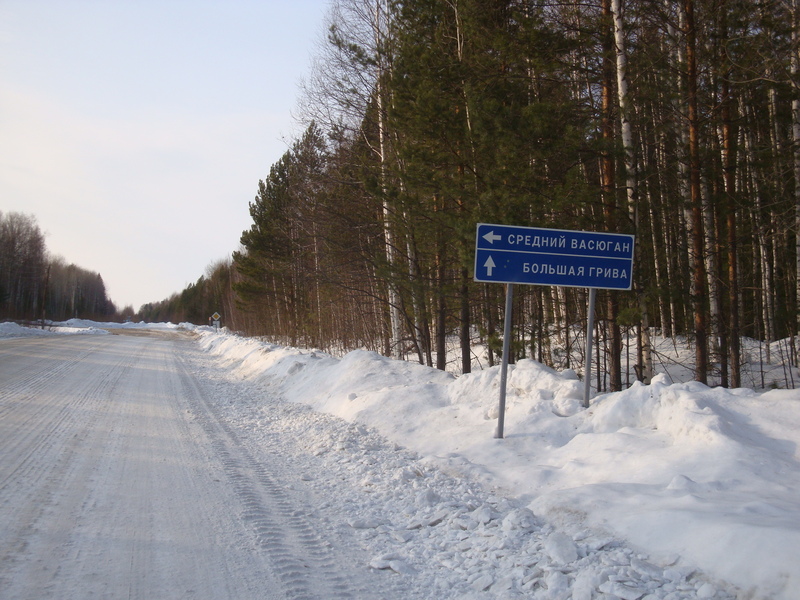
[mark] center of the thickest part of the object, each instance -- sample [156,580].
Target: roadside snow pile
[691,476]
[86,327]
[86,324]
[9,330]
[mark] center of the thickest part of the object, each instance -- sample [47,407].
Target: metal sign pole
[504,364]
[589,335]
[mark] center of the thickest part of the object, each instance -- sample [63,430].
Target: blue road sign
[532,255]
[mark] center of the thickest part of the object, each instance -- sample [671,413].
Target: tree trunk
[714,278]
[729,180]
[441,318]
[795,67]
[609,195]
[464,331]
[645,371]
[696,207]
[395,314]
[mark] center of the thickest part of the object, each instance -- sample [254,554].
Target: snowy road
[140,466]
[119,480]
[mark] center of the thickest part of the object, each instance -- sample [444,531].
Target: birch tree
[631,182]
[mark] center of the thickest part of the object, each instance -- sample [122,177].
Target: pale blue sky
[136,131]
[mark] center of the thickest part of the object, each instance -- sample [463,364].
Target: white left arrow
[489,264]
[492,237]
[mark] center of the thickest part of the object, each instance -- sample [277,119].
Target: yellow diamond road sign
[216,316]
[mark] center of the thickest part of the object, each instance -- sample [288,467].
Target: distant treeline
[212,292]
[673,121]
[35,285]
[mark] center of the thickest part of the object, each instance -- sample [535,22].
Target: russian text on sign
[530,255]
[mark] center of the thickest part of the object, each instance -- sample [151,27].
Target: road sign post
[538,256]
[501,417]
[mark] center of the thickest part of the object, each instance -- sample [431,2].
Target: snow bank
[706,477]
[9,330]
[86,327]
[83,323]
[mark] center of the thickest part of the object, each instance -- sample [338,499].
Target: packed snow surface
[662,491]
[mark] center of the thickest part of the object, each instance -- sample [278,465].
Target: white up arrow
[492,237]
[489,264]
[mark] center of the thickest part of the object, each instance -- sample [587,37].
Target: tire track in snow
[304,562]
[44,427]
[116,496]
[27,373]
[25,382]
